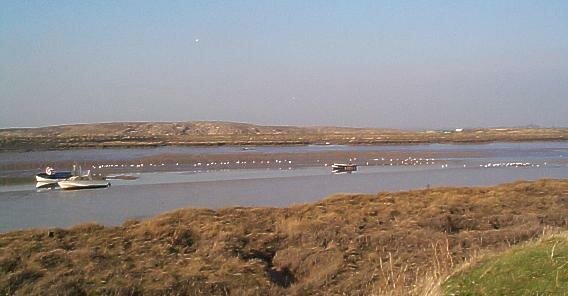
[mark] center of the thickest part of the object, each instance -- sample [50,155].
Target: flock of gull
[510,164]
[379,161]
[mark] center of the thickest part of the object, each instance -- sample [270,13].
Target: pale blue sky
[400,64]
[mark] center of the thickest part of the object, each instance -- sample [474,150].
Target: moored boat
[342,167]
[78,183]
[52,176]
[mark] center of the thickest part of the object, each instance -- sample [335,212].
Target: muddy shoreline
[20,167]
[45,144]
[250,160]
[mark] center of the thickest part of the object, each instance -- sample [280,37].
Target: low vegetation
[383,244]
[536,268]
[211,133]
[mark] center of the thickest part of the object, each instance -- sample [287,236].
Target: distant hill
[150,134]
[189,128]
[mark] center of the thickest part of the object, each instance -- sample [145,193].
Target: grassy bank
[386,244]
[536,268]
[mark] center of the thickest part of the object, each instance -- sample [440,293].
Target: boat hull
[48,180]
[82,184]
[340,167]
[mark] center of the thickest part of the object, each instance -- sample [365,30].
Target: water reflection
[45,186]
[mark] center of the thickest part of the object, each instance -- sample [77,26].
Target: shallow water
[152,193]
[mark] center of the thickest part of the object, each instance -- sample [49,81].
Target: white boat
[83,181]
[78,183]
[52,176]
[50,179]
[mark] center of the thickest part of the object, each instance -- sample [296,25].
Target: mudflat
[212,133]
[249,160]
[358,244]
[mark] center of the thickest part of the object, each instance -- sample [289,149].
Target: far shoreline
[247,145]
[215,134]
[80,146]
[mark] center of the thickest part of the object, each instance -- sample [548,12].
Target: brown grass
[384,244]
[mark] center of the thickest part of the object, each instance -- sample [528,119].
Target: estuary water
[153,192]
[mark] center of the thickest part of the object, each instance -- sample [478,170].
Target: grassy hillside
[148,134]
[385,244]
[538,268]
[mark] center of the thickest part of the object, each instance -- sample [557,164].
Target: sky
[393,64]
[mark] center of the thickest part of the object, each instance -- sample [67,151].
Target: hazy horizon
[406,65]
